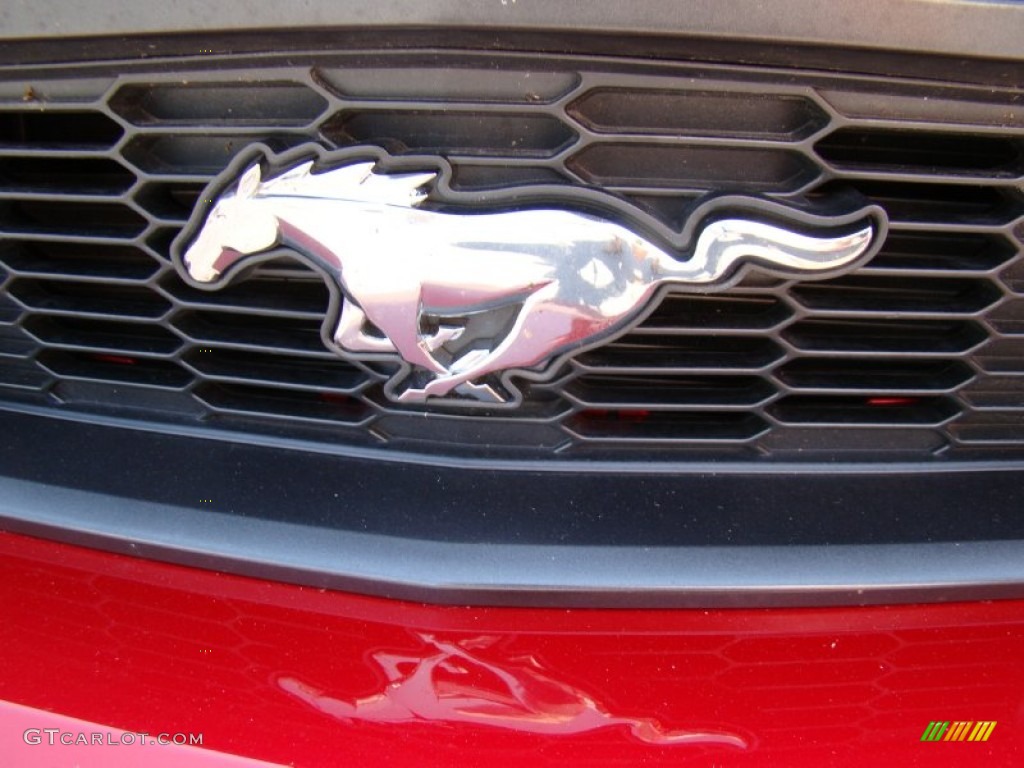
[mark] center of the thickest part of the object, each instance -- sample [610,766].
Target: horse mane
[356,181]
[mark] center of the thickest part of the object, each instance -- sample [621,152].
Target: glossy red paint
[309,677]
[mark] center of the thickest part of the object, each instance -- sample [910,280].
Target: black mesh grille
[918,355]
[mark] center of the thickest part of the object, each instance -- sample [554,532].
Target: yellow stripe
[988,731]
[978,729]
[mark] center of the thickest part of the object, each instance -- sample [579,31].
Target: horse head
[235,227]
[241,222]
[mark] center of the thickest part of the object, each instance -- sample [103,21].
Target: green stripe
[934,730]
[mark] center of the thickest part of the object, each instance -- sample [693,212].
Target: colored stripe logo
[959,730]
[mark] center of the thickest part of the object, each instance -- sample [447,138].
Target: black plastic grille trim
[919,355]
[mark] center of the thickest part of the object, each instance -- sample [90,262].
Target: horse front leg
[395,307]
[351,334]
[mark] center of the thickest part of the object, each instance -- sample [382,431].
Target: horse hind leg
[456,380]
[527,344]
[482,392]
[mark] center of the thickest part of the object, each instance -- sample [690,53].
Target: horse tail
[725,245]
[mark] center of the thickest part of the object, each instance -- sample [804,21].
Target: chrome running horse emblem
[464,290]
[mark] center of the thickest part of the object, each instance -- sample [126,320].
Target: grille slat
[691,113]
[920,354]
[54,131]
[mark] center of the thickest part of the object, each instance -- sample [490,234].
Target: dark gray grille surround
[918,356]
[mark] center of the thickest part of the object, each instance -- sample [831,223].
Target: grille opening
[692,167]
[67,218]
[100,335]
[1013,277]
[539,405]
[475,437]
[258,295]
[697,113]
[1002,356]
[253,331]
[693,314]
[884,336]
[87,298]
[666,391]
[121,398]
[990,428]
[953,252]
[128,370]
[916,104]
[58,130]
[46,90]
[160,239]
[1008,317]
[452,131]
[283,403]
[79,260]
[994,392]
[172,201]
[321,375]
[23,375]
[893,375]
[197,155]
[673,209]
[219,104]
[285,268]
[9,310]
[858,442]
[930,153]
[468,177]
[638,352]
[66,175]
[880,411]
[447,84]
[884,294]
[911,202]
[14,343]
[639,425]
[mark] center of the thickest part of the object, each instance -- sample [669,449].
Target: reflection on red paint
[116,359]
[444,684]
[882,401]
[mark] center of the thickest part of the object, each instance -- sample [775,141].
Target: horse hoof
[482,392]
[413,396]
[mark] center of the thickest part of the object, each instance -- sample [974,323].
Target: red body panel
[309,677]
